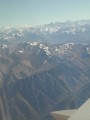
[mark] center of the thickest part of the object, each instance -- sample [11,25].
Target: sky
[38,12]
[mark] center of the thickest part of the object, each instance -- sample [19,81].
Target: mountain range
[77,31]
[42,74]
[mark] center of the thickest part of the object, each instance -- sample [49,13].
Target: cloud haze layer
[36,12]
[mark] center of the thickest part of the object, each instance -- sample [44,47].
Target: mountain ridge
[77,31]
[37,78]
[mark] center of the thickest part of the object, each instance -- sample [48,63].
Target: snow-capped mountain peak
[53,32]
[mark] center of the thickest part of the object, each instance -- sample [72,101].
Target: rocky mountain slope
[37,78]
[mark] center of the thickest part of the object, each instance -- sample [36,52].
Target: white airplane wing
[83,113]
[62,115]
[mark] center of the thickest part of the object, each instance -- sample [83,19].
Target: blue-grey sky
[37,12]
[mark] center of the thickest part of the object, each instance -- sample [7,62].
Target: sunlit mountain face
[43,69]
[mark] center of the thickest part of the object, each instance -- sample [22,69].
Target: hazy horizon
[38,12]
[28,25]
